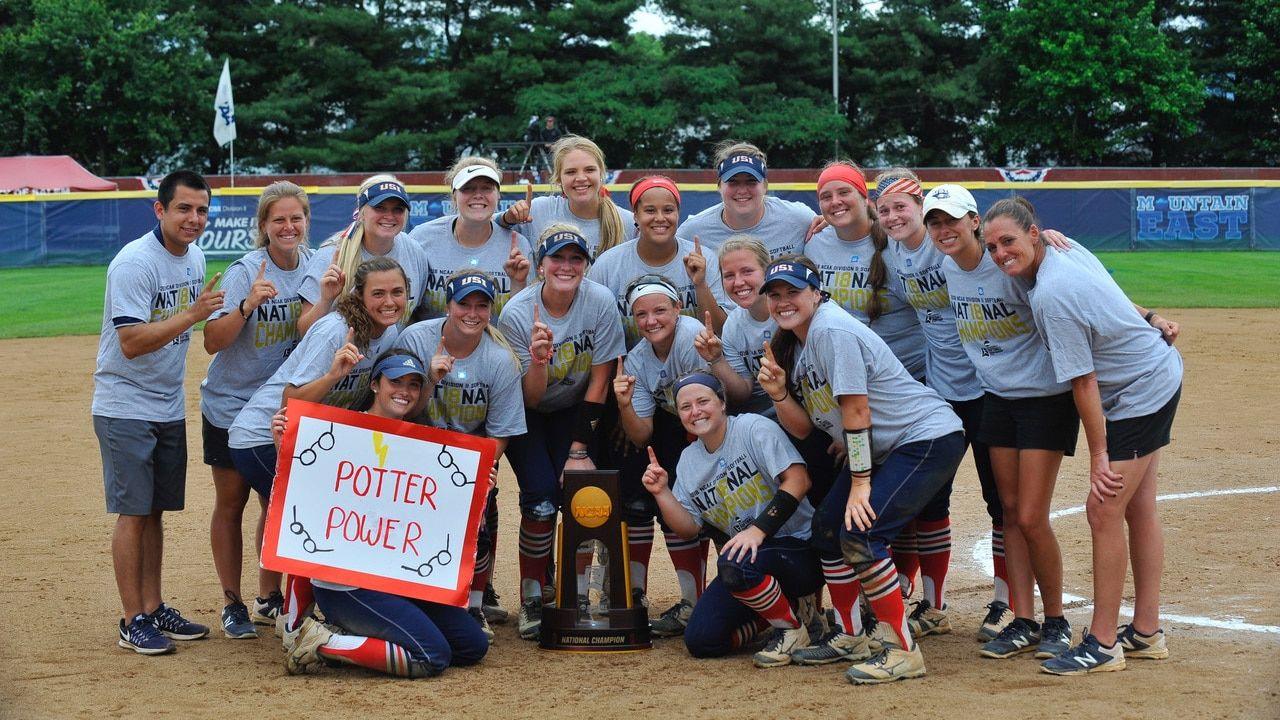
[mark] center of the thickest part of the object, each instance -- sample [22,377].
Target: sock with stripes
[480,578]
[842,583]
[1001,590]
[767,600]
[933,538]
[373,653]
[879,579]
[689,558]
[297,601]
[639,547]
[906,558]
[535,554]
[744,634]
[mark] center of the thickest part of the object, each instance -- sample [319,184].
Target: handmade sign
[376,503]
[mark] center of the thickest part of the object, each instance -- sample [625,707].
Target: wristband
[778,400]
[777,513]
[857,446]
[585,428]
[1150,314]
[578,455]
[244,315]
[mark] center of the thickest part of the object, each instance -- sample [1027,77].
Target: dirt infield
[58,656]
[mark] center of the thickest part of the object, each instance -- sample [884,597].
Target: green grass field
[45,302]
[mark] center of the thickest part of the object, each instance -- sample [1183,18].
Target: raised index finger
[351,335]
[707,315]
[620,359]
[440,348]
[768,352]
[528,193]
[697,245]
[515,242]
[653,459]
[535,313]
[262,270]
[213,281]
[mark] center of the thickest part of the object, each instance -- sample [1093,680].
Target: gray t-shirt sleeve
[319,262]
[685,468]
[316,352]
[236,282]
[639,364]
[1070,339]
[846,367]
[133,287]
[516,323]
[770,449]
[506,399]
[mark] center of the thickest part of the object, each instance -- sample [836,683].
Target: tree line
[126,86]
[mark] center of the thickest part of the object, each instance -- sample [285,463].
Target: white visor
[471,172]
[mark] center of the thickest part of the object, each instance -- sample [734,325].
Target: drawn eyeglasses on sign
[444,557]
[456,476]
[308,545]
[325,442]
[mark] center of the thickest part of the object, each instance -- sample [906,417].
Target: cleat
[478,615]
[235,622]
[492,610]
[305,655]
[1087,657]
[811,616]
[1139,646]
[1017,637]
[173,625]
[891,664]
[529,622]
[266,610]
[994,620]
[835,646]
[926,619]
[779,647]
[880,636]
[143,637]
[1055,638]
[673,621]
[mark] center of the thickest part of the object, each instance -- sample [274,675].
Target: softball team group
[798,391]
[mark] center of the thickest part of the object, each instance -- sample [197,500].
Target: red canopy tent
[47,173]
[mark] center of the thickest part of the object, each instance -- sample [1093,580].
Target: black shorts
[1040,423]
[1135,437]
[216,452]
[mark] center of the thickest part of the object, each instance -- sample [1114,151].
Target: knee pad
[544,511]
[736,577]
[855,549]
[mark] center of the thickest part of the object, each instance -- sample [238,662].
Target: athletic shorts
[144,464]
[216,452]
[1040,423]
[1135,437]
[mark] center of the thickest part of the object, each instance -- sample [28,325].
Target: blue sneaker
[143,637]
[173,625]
[235,622]
[1087,657]
[1019,636]
[1055,638]
[1137,645]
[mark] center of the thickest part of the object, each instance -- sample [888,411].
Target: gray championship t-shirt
[730,487]
[449,256]
[589,334]
[1091,326]
[547,210]
[782,227]
[481,395]
[654,377]
[616,268]
[145,283]
[404,250]
[919,275]
[998,332]
[265,340]
[844,357]
[308,362]
[845,269]
[743,339]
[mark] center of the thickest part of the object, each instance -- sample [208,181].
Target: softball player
[252,334]
[746,207]
[473,387]
[743,259]
[1126,380]
[384,632]
[382,208]
[578,170]
[824,370]
[743,482]
[566,332]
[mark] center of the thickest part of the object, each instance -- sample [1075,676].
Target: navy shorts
[1039,423]
[1136,437]
[144,464]
[257,465]
[216,452]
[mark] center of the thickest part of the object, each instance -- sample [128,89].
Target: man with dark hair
[550,132]
[155,294]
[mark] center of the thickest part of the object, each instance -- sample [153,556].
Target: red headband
[648,183]
[847,173]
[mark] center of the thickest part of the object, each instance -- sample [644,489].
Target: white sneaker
[893,663]
[310,637]
[777,650]
[1142,647]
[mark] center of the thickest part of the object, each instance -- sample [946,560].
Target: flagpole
[233,163]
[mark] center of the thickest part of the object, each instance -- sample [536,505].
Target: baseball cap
[464,285]
[951,199]
[741,163]
[378,193]
[471,172]
[560,240]
[397,366]
[793,273]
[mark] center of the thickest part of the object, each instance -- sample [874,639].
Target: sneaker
[672,622]
[832,647]
[143,637]
[1055,638]
[1017,637]
[892,663]
[478,615]
[235,622]
[880,636]
[529,623]
[814,620]
[994,620]
[1142,647]
[266,610]
[305,655]
[926,619]
[1087,657]
[173,625]
[492,610]
[778,648]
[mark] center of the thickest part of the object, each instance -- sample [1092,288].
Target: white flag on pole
[224,108]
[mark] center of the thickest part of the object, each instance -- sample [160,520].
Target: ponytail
[612,233]
[349,241]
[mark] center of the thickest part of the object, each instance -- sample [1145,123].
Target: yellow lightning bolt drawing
[380,448]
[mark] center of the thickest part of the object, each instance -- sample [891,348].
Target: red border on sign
[456,596]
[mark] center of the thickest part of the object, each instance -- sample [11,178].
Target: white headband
[471,172]
[651,288]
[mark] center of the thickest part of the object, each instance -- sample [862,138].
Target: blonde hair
[489,327]
[272,194]
[611,231]
[878,275]
[351,304]
[547,232]
[727,148]
[899,173]
[467,161]
[350,240]
[750,243]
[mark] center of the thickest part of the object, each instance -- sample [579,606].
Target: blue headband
[699,377]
